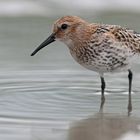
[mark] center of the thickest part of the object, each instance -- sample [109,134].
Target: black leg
[102,92]
[130,76]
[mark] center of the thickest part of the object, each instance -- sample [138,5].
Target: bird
[102,48]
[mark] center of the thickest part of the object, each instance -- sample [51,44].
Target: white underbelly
[103,67]
[104,62]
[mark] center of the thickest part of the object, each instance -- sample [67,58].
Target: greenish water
[41,97]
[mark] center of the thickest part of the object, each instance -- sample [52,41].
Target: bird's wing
[121,35]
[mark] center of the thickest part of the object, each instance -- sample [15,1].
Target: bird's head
[65,30]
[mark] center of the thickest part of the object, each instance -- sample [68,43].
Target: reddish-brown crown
[74,29]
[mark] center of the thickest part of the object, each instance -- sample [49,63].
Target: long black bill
[49,40]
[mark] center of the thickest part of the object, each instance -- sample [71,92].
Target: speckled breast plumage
[110,49]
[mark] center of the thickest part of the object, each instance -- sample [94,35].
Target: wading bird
[97,47]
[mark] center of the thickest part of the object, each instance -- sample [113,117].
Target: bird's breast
[100,59]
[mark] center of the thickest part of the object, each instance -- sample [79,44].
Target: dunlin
[98,47]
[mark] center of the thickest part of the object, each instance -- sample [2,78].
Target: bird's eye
[64,26]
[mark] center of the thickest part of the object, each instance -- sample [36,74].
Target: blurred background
[51,8]
[51,97]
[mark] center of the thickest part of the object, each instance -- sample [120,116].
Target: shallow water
[51,97]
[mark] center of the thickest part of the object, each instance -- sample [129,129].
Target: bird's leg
[102,93]
[130,75]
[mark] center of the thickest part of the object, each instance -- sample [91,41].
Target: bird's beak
[49,40]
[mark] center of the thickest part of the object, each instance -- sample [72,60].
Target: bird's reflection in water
[106,127]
